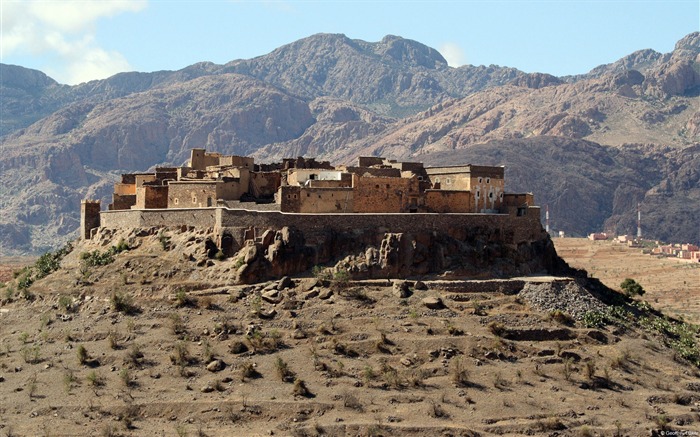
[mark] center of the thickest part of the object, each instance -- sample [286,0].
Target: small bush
[123,303]
[300,389]
[183,300]
[632,287]
[283,371]
[497,328]
[248,371]
[460,373]
[83,355]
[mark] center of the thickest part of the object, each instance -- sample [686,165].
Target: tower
[89,217]
[639,221]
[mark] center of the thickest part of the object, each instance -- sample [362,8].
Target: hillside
[337,98]
[150,342]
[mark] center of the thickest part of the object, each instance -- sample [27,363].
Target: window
[194,200]
[289,196]
[308,194]
[478,194]
[480,180]
[488,180]
[448,181]
[490,195]
[501,196]
[176,201]
[437,180]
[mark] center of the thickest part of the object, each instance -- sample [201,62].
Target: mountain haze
[590,146]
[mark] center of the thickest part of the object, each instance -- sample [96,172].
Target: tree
[632,287]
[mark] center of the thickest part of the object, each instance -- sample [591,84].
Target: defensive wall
[242,224]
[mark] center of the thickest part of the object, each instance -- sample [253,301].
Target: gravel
[568,297]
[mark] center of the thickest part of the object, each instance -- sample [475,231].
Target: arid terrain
[152,344]
[672,285]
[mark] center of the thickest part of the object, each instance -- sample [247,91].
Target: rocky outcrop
[474,253]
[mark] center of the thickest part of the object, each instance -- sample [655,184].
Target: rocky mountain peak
[409,52]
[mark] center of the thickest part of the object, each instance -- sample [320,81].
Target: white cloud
[453,54]
[64,32]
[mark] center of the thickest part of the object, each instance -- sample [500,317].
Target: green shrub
[632,287]
[123,303]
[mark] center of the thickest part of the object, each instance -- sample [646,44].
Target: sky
[77,41]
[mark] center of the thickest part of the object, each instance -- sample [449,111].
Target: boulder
[433,303]
[216,366]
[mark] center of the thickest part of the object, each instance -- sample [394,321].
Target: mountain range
[589,146]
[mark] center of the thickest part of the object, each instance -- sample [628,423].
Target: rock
[207,388]
[267,314]
[238,347]
[568,355]
[433,303]
[420,285]
[216,366]
[406,361]
[285,282]
[401,289]
[307,284]
[325,294]
[311,294]
[272,296]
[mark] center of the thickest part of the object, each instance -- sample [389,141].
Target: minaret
[639,221]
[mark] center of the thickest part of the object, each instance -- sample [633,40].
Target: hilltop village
[374,185]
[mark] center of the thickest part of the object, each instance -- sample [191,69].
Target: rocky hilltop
[338,98]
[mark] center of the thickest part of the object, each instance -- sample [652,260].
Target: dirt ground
[311,359]
[671,285]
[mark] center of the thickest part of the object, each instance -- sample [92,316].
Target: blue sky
[76,41]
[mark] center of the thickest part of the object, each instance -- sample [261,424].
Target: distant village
[682,251]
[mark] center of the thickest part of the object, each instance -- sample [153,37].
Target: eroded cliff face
[465,252]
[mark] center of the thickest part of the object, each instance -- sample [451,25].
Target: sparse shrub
[590,369]
[83,355]
[567,369]
[248,371]
[121,246]
[460,373]
[437,411]
[220,255]
[594,319]
[550,424]
[123,303]
[497,328]
[632,287]
[283,371]
[183,300]
[321,273]
[126,377]
[499,381]
[181,354]
[97,258]
[300,389]
[340,281]
[662,421]
[351,401]
[69,379]
[479,308]
[65,303]
[113,340]
[177,325]
[164,241]
[134,355]
[94,379]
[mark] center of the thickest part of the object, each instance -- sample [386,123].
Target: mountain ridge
[337,98]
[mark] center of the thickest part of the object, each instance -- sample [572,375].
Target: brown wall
[89,217]
[192,194]
[264,184]
[124,189]
[122,201]
[449,201]
[379,194]
[325,200]
[151,196]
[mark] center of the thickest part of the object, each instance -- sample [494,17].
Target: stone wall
[385,194]
[449,201]
[201,218]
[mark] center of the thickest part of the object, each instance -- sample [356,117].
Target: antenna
[546,218]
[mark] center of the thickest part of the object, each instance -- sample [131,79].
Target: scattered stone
[272,296]
[216,366]
[207,388]
[298,334]
[420,285]
[267,314]
[545,353]
[311,294]
[598,336]
[325,294]
[285,282]
[309,283]
[433,303]
[406,361]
